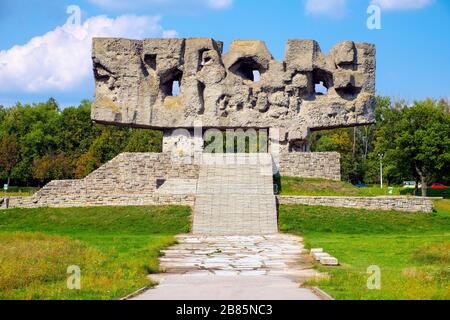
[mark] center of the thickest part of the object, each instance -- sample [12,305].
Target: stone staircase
[235,195]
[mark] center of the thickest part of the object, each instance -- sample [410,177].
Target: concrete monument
[178,83]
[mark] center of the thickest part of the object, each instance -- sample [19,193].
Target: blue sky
[41,56]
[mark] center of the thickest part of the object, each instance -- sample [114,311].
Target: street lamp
[381,155]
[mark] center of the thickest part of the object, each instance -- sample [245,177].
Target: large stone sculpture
[136,85]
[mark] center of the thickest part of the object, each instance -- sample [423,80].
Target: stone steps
[235,196]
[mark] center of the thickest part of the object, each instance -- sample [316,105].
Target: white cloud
[121,4]
[61,59]
[332,8]
[402,4]
[220,4]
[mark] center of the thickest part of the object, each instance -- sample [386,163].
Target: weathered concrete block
[319,255]
[329,261]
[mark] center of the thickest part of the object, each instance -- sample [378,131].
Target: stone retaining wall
[102,200]
[408,204]
[131,179]
[326,165]
[128,179]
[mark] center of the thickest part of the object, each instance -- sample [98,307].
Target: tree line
[42,142]
[412,139]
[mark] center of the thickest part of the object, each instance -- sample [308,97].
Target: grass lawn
[19,191]
[115,247]
[411,249]
[16,194]
[293,186]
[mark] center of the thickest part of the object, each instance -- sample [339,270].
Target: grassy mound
[293,186]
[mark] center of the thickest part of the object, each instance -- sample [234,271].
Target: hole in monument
[348,66]
[349,92]
[101,73]
[323,81]
[248,69]
[171,87]
[150,60]
[201,94]
[320,88]
[203,59]
[298,146]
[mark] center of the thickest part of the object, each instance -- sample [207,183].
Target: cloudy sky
[45,48]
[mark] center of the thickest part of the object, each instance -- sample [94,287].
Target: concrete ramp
[235,195]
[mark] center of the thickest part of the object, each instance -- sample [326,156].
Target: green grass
[412,249]
[294,186]
[16,194]
[19,191]
[116,248]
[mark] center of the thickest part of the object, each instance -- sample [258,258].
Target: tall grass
[30,258]
[115,247]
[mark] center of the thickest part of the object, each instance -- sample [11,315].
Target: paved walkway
[234,267]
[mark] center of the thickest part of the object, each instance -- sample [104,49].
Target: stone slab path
[234,267]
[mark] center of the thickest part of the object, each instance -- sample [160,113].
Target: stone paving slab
[234,267]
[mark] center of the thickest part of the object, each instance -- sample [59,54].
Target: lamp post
[381,155]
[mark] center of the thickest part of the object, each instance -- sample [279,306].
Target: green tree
[75,130]
[349,143]
[109,143]
[44,133]
[9,154]
[52,168]
[2,114]
[85,164]
[416,142]
[142,140]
